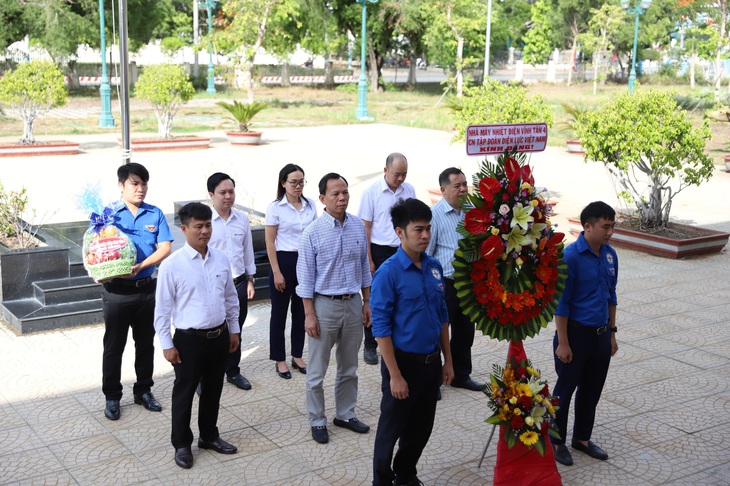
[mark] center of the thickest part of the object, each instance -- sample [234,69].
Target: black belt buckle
[213,334]
[601,330]
[347,296]
[142,282]
[430,358]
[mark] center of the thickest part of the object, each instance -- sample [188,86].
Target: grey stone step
[28,315]
[66,290]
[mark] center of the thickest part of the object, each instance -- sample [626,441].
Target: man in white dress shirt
[232,235]
[375,213]
[195,293]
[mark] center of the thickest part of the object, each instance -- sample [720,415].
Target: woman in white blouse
[286,218]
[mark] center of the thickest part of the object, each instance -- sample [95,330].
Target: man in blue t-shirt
[585,321]
[410,322]
[129,301]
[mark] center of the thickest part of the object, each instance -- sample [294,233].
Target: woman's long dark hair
[283,176]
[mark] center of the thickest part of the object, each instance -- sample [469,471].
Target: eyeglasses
[302,183]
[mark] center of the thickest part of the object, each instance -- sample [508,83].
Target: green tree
[537,39]
[496,102]
[33,89]
[650,147]
[510,20]
[167,87]
[599,38]
[571,20]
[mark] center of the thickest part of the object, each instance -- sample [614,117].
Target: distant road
[437,75]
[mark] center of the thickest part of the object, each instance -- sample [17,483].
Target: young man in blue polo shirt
[410,322]
[585,338]
[129,301]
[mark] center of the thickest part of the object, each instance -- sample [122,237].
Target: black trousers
[462,334]
[279,307]
[203,361]
[380,253]
[408,422]
[585,376]
[234,358]
[125,308]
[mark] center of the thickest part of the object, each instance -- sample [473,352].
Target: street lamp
[361,113]
[106,120]
[210,5]
[638,9]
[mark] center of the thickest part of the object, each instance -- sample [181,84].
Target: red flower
[526,402]
[492,248]
[521,372]
[517,422]
[511,188]
[512,169]
[555,402]
[488,187]
[544,428]
[526,174]
[478,220]
[545,392]
[505,197]
[556,239]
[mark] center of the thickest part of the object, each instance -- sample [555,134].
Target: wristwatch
[614,329]
[251,279]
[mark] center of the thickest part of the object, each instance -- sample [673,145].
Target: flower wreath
[508,269]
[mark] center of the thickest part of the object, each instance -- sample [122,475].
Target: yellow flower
[513,400]
[551,409]
[534,203]
[521,216]
[516,239]
[529,438]
[505,407]
[517,411]
[533,371]
[495,231]
[526,185]
[529,421]
[524,389]
[519,261]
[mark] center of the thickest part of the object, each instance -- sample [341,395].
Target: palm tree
[242,113]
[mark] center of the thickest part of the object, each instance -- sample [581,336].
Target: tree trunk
[596,60]
[572,58]
[373,71]
[73,76]
[459,66]
[692,61]
[285,81]
[28,137]
[329,75]
[412,71]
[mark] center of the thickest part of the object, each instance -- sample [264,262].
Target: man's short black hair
[407,211]
[326,178]
[445,176]
[216,179]
[194,210]
[595,211]
[132,168]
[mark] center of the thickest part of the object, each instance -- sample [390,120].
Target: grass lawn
[423,107]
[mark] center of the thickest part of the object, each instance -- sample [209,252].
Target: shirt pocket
[412,294]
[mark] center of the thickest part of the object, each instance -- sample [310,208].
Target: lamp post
[361,113]
[210,4]
[487,43]
[106,120]
[638,9]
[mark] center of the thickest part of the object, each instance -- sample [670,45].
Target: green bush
[498,103]
[650,147]
[167,87]
[33,89]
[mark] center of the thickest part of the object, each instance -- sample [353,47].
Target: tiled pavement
[662,417]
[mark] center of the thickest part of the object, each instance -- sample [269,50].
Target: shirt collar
[192,253]
[583,245]
[218,216]
[404,260]
[331,221]
[384,186]
[119,206]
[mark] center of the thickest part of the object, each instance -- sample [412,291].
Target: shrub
[33,89]
[167,87]
[498,103]
[650,147]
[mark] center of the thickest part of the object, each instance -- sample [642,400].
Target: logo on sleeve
[609,258]
[151,228]
[436,274]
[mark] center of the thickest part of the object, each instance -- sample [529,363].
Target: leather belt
[593,330]
[339,297]
[239,279]
[123,282]
[420,358]
[205,333]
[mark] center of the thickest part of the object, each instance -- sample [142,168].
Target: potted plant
[574,112]
[167,87]
[653,152]
[241,114]
[33,89]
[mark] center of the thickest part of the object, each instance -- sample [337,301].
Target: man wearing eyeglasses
[375,213]
[444,241]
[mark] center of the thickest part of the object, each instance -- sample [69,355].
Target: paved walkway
[662,417]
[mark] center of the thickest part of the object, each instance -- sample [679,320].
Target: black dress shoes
[320,434]
[353,424]
[302,369]
[591,449]
[283,374]
[112,411]
[148,401]
[184,457]
[370,356]
[468,384]
[218,445]
[240,381]
[562,455]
